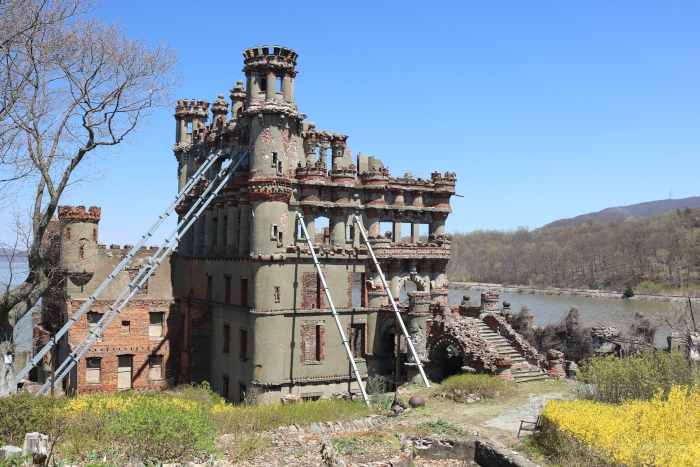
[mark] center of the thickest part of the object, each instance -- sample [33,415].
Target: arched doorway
[448,352]
[394,350]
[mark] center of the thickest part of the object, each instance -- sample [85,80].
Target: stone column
[220,240]
[181,171]
[244,227]
[397,232]
[437,227]
[439,294]
[287,88]
[232,230]
[415,232]
[338,228]
[208,230]
[271,84]
[310,222]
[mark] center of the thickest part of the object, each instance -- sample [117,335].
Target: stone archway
[448,351]
[421,284]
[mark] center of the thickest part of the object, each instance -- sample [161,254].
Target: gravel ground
[529,412]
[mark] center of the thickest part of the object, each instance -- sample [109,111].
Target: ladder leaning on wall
[226,171]
[359,228]
[300,218]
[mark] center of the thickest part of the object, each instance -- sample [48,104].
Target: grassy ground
[159,426]
[472,417]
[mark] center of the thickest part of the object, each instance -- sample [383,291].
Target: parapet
[189,108]
[79,214]
[280,60]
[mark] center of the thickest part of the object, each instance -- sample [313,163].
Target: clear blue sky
[544,109]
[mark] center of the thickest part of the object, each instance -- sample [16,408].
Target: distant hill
[635,210]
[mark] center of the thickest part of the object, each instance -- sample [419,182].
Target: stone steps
[529,373]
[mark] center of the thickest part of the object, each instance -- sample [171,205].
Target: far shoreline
[482,287]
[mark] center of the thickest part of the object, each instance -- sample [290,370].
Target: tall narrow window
[243,343]
[244,292]
[155,368]
[214,236]
[155,325]
[225,232]
[94,235]
[92,319]
[92,370]
[241,392]
[209,287]
[225,387]
[356,336]
[227,339]
[319,342]
[312,343]
[81,251]
[227,289]
[68,234]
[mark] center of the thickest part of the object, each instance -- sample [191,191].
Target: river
[548,309]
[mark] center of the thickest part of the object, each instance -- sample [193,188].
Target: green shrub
[628,293]
[639,376]
[25,413]
[650,288]
[486,386]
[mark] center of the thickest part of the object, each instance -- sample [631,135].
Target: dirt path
[498,419]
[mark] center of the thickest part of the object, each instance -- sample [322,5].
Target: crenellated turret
[78,242]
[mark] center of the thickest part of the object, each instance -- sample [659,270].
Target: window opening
[225,232]
[155,368]
[92,370]
[210,287]
[225,387]
[227,289]
[263,84]
[68,234]
[241,392]
[278,294]
[227,339]
[126,327]
[244,292]
[81,251]
[189,127]
[94,235]
[155,325]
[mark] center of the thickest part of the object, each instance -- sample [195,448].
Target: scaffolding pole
[360,229]
[147,270]
[161,218]
[300,218]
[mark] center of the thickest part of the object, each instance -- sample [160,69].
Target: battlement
[79,214]
[190,108]
[277,51]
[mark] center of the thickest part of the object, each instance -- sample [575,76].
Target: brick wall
[134,340]
[312,342]
[312,295]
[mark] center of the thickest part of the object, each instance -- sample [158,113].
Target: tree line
[652,254]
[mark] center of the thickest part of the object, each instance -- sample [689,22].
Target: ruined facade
[140,350]
[242,305]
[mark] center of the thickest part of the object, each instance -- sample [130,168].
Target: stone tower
[254,312]
[78,242]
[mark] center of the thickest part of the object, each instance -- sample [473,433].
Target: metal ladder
[300,218]
[161,218]
[147,270]
[359,228]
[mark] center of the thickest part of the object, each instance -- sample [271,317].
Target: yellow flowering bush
[662,432]
[155,425]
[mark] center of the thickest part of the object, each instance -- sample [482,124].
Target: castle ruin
[239,304]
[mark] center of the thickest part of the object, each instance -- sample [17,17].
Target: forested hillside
[657,253]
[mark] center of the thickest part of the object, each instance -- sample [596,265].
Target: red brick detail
[312,342]
[311,291]
[136,343]
[357,339]
[349,290]
[79,214]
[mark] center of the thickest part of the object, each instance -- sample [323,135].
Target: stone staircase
[526,373]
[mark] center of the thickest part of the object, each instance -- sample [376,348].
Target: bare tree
[71,87]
